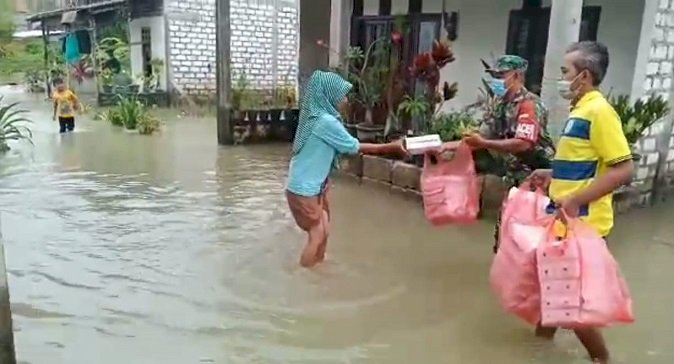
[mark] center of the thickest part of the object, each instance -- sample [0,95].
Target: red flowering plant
[82,70]
[426,68]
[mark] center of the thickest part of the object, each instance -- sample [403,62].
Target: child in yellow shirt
[66,104]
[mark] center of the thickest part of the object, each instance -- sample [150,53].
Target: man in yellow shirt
[593,159]
[66,104]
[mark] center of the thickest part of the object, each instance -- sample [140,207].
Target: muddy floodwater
[168,249]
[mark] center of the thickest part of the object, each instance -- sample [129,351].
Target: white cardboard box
[422,144]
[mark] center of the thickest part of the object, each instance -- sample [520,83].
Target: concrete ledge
[378,169]
[352,164]
[402,179]
[405,176]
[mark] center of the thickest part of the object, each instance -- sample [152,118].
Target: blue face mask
[498,87]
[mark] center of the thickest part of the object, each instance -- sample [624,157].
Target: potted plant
[638,117]
[426,68]
[368,85]
[107,80]
[396,85]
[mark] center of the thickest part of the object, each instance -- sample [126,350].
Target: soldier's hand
[475,141]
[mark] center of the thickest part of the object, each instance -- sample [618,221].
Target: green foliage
[130,110]
[18,57]
[111,116]
[640,116]
[132,115]
[148,124]
[13,125]
[414,107]
[453,126]
[6,21]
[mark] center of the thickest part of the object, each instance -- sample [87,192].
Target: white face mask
[565,88]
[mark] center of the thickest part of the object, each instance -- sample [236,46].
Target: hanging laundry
[72,53]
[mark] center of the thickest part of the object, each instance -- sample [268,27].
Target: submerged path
[167,249]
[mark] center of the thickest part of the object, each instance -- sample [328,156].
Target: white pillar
[340,29]
[565,17]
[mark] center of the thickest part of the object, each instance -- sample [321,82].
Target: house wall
[157,27]
[482,32]
[264,40]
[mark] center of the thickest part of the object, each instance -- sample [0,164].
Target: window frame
[538,21]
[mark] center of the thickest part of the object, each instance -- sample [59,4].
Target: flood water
[168,249]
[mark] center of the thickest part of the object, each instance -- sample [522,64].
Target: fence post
[7,354]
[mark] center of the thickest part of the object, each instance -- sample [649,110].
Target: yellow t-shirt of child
[65,102]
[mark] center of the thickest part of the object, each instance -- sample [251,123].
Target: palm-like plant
[130,111]
[12,125]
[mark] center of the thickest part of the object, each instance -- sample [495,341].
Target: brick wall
[659,67]
[264,42]
[668,166]
[647,169]
[655,147]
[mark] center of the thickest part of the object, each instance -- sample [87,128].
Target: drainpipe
[7,354]
[565,17]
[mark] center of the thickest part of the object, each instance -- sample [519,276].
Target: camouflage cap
[509,63]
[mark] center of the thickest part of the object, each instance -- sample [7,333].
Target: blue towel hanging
[72,49]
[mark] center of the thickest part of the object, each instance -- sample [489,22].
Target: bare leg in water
[320,256]
[591,338]
[317,235]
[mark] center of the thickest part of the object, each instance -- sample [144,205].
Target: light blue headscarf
[324,91]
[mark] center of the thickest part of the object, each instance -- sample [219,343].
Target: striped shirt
[592,141]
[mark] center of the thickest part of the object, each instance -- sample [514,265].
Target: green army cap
[509,63]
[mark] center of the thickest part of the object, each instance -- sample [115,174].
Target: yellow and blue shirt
[592,141]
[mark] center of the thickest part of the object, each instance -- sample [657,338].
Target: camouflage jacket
[526,117]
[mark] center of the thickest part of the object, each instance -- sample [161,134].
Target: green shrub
[12,125]
[130,111]
[148,124]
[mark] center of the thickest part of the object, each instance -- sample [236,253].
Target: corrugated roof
[91,7]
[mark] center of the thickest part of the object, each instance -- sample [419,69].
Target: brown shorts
[308,211]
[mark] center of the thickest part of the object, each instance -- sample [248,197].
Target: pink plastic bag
[450,189]
[513,276]
[581,284]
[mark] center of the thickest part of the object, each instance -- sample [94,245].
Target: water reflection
[179,251]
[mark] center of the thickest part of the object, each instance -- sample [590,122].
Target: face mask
[498,87]
[565,88]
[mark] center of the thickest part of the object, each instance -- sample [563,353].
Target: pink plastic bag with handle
[581,284]
[450,189]
[513,275]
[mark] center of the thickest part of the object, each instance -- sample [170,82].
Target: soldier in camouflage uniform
[515,128]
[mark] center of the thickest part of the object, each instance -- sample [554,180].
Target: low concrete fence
[403,179]
[653,179]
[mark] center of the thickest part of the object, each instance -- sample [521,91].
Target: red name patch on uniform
[527,123]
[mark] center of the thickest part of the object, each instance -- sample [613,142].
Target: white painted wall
[483,26]
[158,36]
[619,29]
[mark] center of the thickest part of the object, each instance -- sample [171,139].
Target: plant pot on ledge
[369,133]
[352,129]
